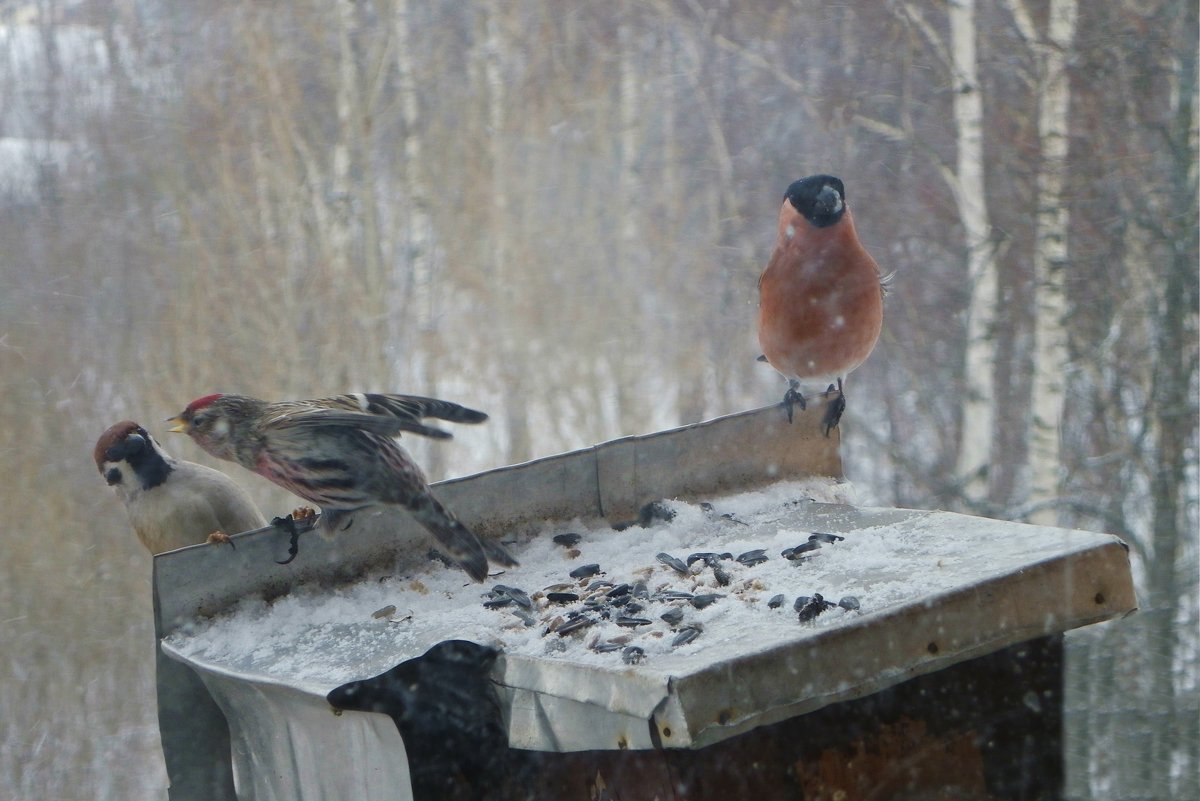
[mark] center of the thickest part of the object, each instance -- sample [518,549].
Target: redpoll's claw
[219,537]
[303,513]
[304,519]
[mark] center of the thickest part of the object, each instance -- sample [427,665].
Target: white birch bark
[339,178]
[630,376]
[418,243]
[416,248]
[516,400]
[968,184]
[1049,261]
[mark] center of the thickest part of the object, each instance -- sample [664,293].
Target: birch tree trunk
[968,185]
[339,178]
[691,361]
[416,247]
[516,401]
[630,376]
[1172,575]
[1050,260]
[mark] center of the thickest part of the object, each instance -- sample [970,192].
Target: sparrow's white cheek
[221,428]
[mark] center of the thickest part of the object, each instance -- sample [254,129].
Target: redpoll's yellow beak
[180,425]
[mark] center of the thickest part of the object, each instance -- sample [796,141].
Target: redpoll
[340,453]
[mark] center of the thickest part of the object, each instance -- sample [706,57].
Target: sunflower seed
[755,557]
[672,615]
[632,655]
[686,635]
[705,599]
[673,563]
[585,571]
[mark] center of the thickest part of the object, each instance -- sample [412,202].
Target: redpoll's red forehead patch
[200,403]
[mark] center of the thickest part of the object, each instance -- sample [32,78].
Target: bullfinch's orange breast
[820,300]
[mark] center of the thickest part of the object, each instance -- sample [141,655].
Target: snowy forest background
[557,213]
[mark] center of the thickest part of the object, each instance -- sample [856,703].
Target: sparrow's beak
[180,426]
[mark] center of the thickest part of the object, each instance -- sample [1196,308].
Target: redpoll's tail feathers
[458,541]
[497,553]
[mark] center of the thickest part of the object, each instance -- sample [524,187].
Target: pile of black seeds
[587,597]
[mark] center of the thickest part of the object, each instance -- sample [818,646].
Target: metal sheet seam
[596,480]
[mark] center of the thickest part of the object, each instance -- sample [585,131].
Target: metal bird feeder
[940,652]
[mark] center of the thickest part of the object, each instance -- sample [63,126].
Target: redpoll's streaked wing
[384,414]
[337,468]
[413,407]
[372,423]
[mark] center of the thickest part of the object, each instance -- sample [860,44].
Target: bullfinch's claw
[834,408]
[793,398]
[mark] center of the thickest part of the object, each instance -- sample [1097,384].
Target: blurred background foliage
[557,213]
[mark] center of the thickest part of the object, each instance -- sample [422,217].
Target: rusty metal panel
[194,734]
[614,479]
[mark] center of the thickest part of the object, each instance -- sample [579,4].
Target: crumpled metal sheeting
[620,689]
[541,722]
[289,745]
